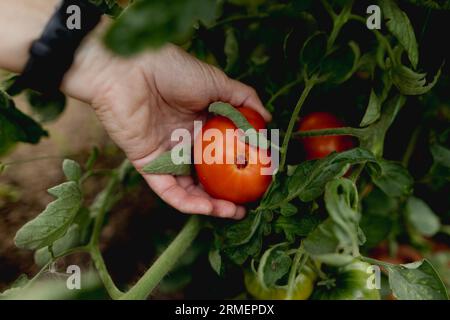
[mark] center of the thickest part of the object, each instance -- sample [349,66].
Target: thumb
[240,95]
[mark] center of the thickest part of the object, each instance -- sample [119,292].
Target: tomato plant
[310,229]
[240,181]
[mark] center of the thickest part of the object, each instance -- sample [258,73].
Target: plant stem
[309,84]
[239,18]
[103,203]
[380,37]
[106,196]
[347,131]
[165,262]
[377,262]
[300,255]
[411,146]
[103,273]
[283,90]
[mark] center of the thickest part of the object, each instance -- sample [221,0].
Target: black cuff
[53,53]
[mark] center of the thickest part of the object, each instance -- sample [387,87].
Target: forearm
[23,21]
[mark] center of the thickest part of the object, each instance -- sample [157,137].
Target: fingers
[247,96]
[182,194]
[221,208]
[168,189]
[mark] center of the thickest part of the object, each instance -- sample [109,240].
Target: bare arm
[139,101]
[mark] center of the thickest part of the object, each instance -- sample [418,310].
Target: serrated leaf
[294,226]
[71,169]
[309,178]
[416,281]
[54,221]
[163,164]
[399,25]
[67,241]
[420,215]
[393,179]
[409,82]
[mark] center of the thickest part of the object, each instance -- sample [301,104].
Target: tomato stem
[300,259]
[166,261]
[103,273]
[308,87]
[411,146]
[344,131]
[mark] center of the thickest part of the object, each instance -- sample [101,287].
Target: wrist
[86,76]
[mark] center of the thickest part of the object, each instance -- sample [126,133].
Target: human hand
[141,100]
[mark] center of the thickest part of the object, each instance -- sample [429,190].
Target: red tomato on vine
[321,146]
[241,181]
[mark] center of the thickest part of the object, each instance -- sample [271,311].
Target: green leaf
[313,52]
[46,108]
[244,239]
[441,155]
[153,23]
[288,209]
[54,221]
[241,232]
[416,281]
[251,136]
[322,240]
[16,126]
[373,110]
[409,82]
[399,25]
[70,240]
[164,165]
[393,179]
[341,201]
[215,260]
[275,264]
[374,135]
[71,169]
[340,65]
[309,178]
[294,226]
[432,4]
[379,216]
[420,215]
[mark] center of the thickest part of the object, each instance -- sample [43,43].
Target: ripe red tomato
[236,182]
[320,147]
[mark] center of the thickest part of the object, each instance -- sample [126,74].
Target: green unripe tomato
[304,284]
[350,283]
